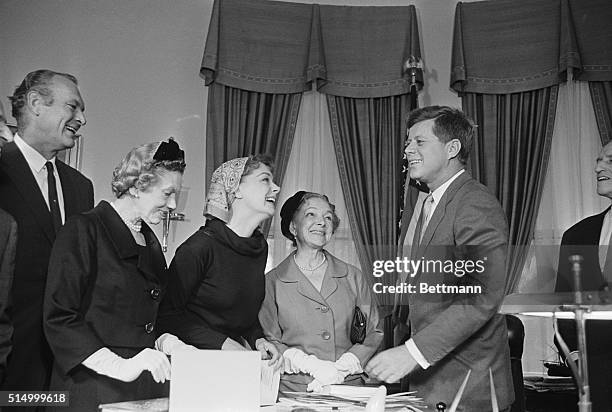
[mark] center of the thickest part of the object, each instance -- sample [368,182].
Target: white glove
[295,361]
[314,386]
[348,364]
[325,372]
[105,362]
[169,344]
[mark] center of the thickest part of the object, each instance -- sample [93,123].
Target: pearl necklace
[309,270]
[133,226]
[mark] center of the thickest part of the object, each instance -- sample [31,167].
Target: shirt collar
[439,192]
[35,160]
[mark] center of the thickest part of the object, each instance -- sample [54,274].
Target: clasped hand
[148,359]
[267,350]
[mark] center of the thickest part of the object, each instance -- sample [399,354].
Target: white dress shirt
[37,165]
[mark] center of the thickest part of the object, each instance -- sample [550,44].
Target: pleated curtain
[508,58]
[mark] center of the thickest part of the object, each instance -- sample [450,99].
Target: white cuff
[296,361]
[349,364]
[168,344]
[104,362]
[416,354]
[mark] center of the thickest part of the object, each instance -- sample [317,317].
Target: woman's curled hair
[139,169]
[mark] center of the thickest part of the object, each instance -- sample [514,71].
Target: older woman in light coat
[310,301]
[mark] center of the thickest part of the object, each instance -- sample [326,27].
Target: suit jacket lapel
[333,272]
[70,195]
[290,273]
[148,262]
[17,168]
[151,260]
[440,211]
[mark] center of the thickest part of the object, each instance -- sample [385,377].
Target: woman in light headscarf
[217,275]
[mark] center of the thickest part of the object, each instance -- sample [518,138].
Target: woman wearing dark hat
[310,302]
[217,275]
[107,275]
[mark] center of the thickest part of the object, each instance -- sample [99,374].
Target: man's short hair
[449,124]
[40,81]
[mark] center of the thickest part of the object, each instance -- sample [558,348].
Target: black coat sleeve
[72,273]
[8,245]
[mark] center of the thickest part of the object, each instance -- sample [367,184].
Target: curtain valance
[278,47]
[262,46]
[509,46]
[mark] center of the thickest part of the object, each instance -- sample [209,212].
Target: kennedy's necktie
[425,215]
[56,215]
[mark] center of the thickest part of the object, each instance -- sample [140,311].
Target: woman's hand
[231,344]
[269,351]
[148,359]
[169,344]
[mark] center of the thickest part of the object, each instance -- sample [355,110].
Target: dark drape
[368,138]
[508,58]
[510,156]
[594,38]
[241,122]
[366,50]
[250,123]
[259,57]
[263,46]
[507,46]
[368,86]
[601,94]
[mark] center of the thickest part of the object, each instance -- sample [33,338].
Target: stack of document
[151,405]
[545,383]
[350,398]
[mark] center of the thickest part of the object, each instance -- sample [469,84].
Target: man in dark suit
[590,238]
[40,192]
[8,243]
[460,238]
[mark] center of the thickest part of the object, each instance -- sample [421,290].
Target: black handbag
[358,326]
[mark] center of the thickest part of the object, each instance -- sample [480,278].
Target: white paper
[215,380]
[270,381]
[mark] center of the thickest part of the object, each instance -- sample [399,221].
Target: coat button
[324,309]
[155,293]
[325,335]
[149,327]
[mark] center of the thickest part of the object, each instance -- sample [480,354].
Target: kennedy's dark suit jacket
[583,239]
[457,332]
[29,364]
[8,243]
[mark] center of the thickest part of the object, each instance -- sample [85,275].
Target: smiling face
[257,192]
[57,123]
[430,160]
[603,169]
[312,223]
[158,197]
